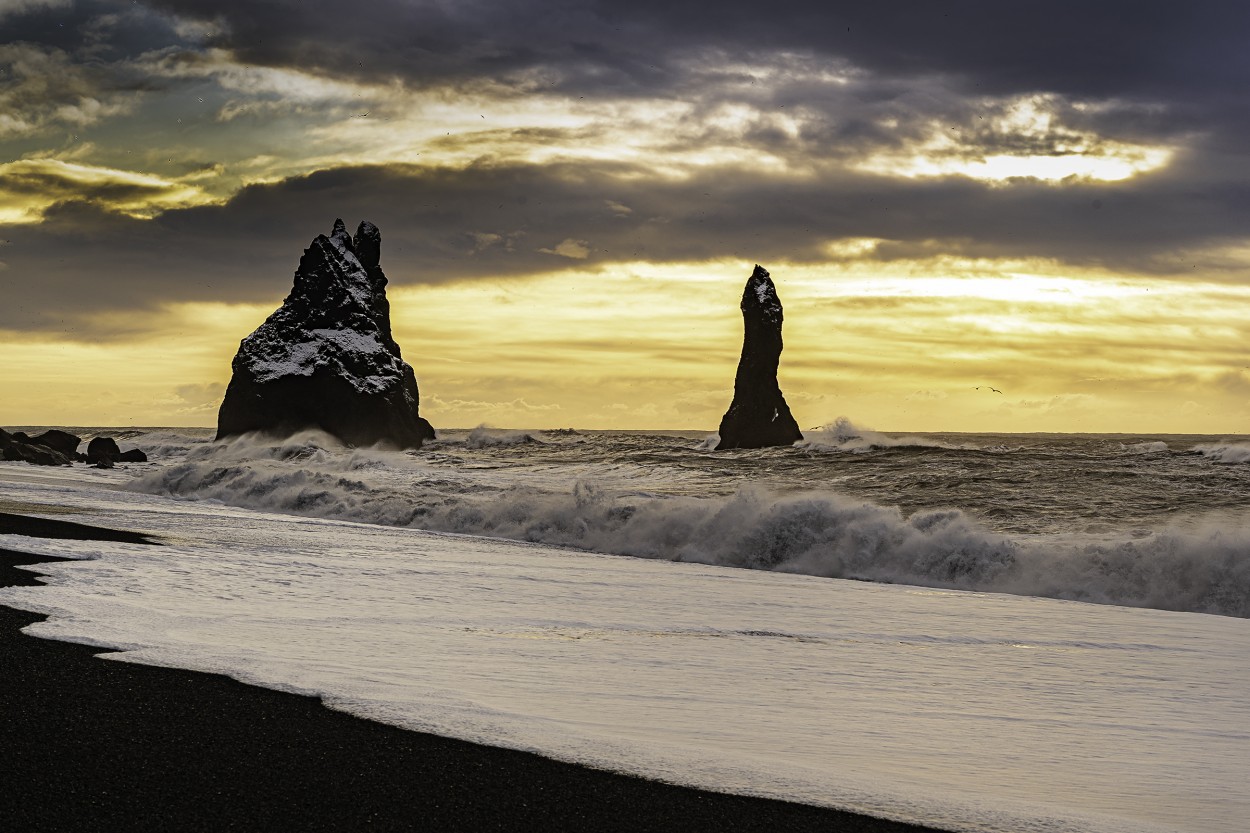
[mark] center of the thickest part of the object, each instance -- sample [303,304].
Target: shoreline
[92,744]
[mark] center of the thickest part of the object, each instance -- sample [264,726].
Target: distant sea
[1040,631]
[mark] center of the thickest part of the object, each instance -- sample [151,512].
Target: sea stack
[325,358]
[759,416]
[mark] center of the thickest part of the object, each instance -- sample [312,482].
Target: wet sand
[90,744]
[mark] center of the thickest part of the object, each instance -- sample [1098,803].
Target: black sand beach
[88,744]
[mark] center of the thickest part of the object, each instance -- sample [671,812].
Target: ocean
[981,632]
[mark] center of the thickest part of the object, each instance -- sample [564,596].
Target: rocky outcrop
[19,447]
[58,440]
[51,448]
[326,358]
[103,452]
[758,416]
[102,449]
[55,447]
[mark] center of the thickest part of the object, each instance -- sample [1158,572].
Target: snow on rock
[326,358]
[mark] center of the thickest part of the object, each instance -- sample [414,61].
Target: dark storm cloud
[1159,71]
[1190,61]
[1147,47]
[67,67]
[1154,74]
[1157,74]
[492,222]
[98,29]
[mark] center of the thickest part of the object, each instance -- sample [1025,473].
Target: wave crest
[1156,447]
[843,435]
[484,436]
[816,533]
[1228,454]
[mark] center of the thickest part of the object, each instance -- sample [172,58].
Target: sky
[1050,199]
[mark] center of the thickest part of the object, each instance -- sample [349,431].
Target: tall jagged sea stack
[759,416]
[326,358]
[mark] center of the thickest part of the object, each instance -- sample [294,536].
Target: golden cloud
[1023,137]
[28,187]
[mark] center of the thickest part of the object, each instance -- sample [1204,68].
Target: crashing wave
[843,435]
[816,533]
[1156,447]
[1228,454]
[484,436]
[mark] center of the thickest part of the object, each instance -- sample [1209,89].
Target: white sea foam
[1235,453]
[843,435]
[1156,447]
[485,436]
[1202,568]
[964,711]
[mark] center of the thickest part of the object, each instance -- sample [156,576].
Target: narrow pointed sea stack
[325,358]
[759,416]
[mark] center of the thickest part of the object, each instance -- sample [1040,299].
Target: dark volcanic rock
[758,415]
[57,440]
[103,452]
[18,447]
[37,455]
[326,358]
[102,448]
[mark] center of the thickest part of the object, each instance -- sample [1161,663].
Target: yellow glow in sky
[1028,121]
[893,344]
[29,186]
[1108,165]
[655,345]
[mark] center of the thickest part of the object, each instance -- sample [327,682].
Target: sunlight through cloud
[1021,138]
[30,186]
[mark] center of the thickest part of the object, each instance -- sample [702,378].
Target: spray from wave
[1154,447]
[484,436]
[843,435]
[1228,454]
[817,533]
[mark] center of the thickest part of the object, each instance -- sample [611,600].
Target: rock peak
[762,293]
[368,245]
[326,358]
[759,415]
